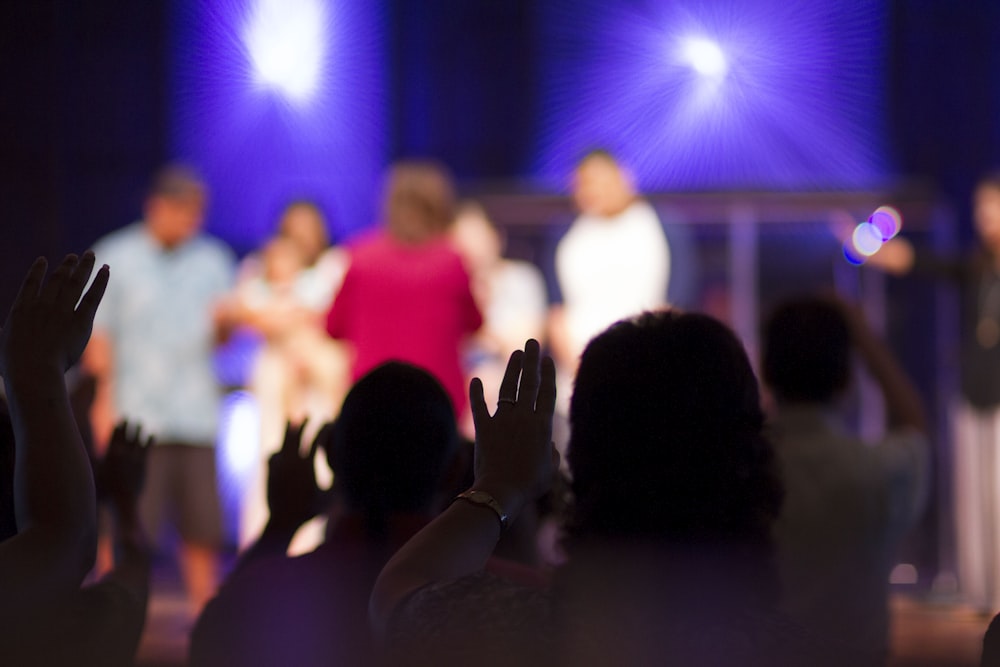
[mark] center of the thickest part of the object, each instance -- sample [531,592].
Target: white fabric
[847,505]
[977,505]
[611,268]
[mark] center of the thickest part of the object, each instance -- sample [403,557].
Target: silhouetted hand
[292,493]
[122,472]
[46,329]
[515,457]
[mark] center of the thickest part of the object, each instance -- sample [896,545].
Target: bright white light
[239,439]
[705,57]
[285,42]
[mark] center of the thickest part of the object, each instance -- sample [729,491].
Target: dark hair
[175,181]
[666,439]
[807,351]
[424,186]
[392,442]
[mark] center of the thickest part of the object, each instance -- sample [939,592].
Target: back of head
[392,442]
[807,351]
[419,200]
[666,436]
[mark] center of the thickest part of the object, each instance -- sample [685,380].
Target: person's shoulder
[214,249]
[121,239]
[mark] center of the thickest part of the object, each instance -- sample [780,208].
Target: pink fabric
[407,303]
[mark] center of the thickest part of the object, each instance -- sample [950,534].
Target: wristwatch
[483,499]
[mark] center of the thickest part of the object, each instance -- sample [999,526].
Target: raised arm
[293,496]
[903,403]
[515,464]
[45,333]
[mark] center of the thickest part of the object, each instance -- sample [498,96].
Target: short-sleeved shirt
[612,268]
[157,313]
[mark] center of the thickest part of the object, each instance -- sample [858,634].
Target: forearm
[132,560]
[53,483]
[903,402]
[457,543]
[273,541]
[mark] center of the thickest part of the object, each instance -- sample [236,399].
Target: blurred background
[754,125]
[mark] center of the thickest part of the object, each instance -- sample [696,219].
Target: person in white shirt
[614,262]
[848,502]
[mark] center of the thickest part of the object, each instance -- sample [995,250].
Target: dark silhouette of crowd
[695,529]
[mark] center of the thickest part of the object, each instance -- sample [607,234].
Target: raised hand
[515,459]
[122,472]
[46,328]
[292,493]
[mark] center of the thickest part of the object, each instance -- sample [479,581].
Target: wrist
[509,498]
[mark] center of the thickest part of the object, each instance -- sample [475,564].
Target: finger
[508,386]
[88,306]
[57,281]
[118,434]
[32,282]
[136,438]
[530,376]
[546,403]
[73,287]
[290,445]
[480,413]
[320,440]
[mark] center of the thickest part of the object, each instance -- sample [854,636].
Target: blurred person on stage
[151,353]
[613,263]
[299,373]
[510,294]
[407,295]
[976,412]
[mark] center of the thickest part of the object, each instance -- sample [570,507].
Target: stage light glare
[705,57]
[285,43]
[867,239]
[887,220]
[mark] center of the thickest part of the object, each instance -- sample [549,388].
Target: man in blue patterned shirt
[151,353]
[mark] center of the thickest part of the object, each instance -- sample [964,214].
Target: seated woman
[670,550]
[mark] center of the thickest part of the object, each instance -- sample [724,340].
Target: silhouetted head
[175,206]
[600,186]
[807,351]
[391,444]
[666,436]
[303,223]
[419,201]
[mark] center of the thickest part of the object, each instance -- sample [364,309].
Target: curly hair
[666,439]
